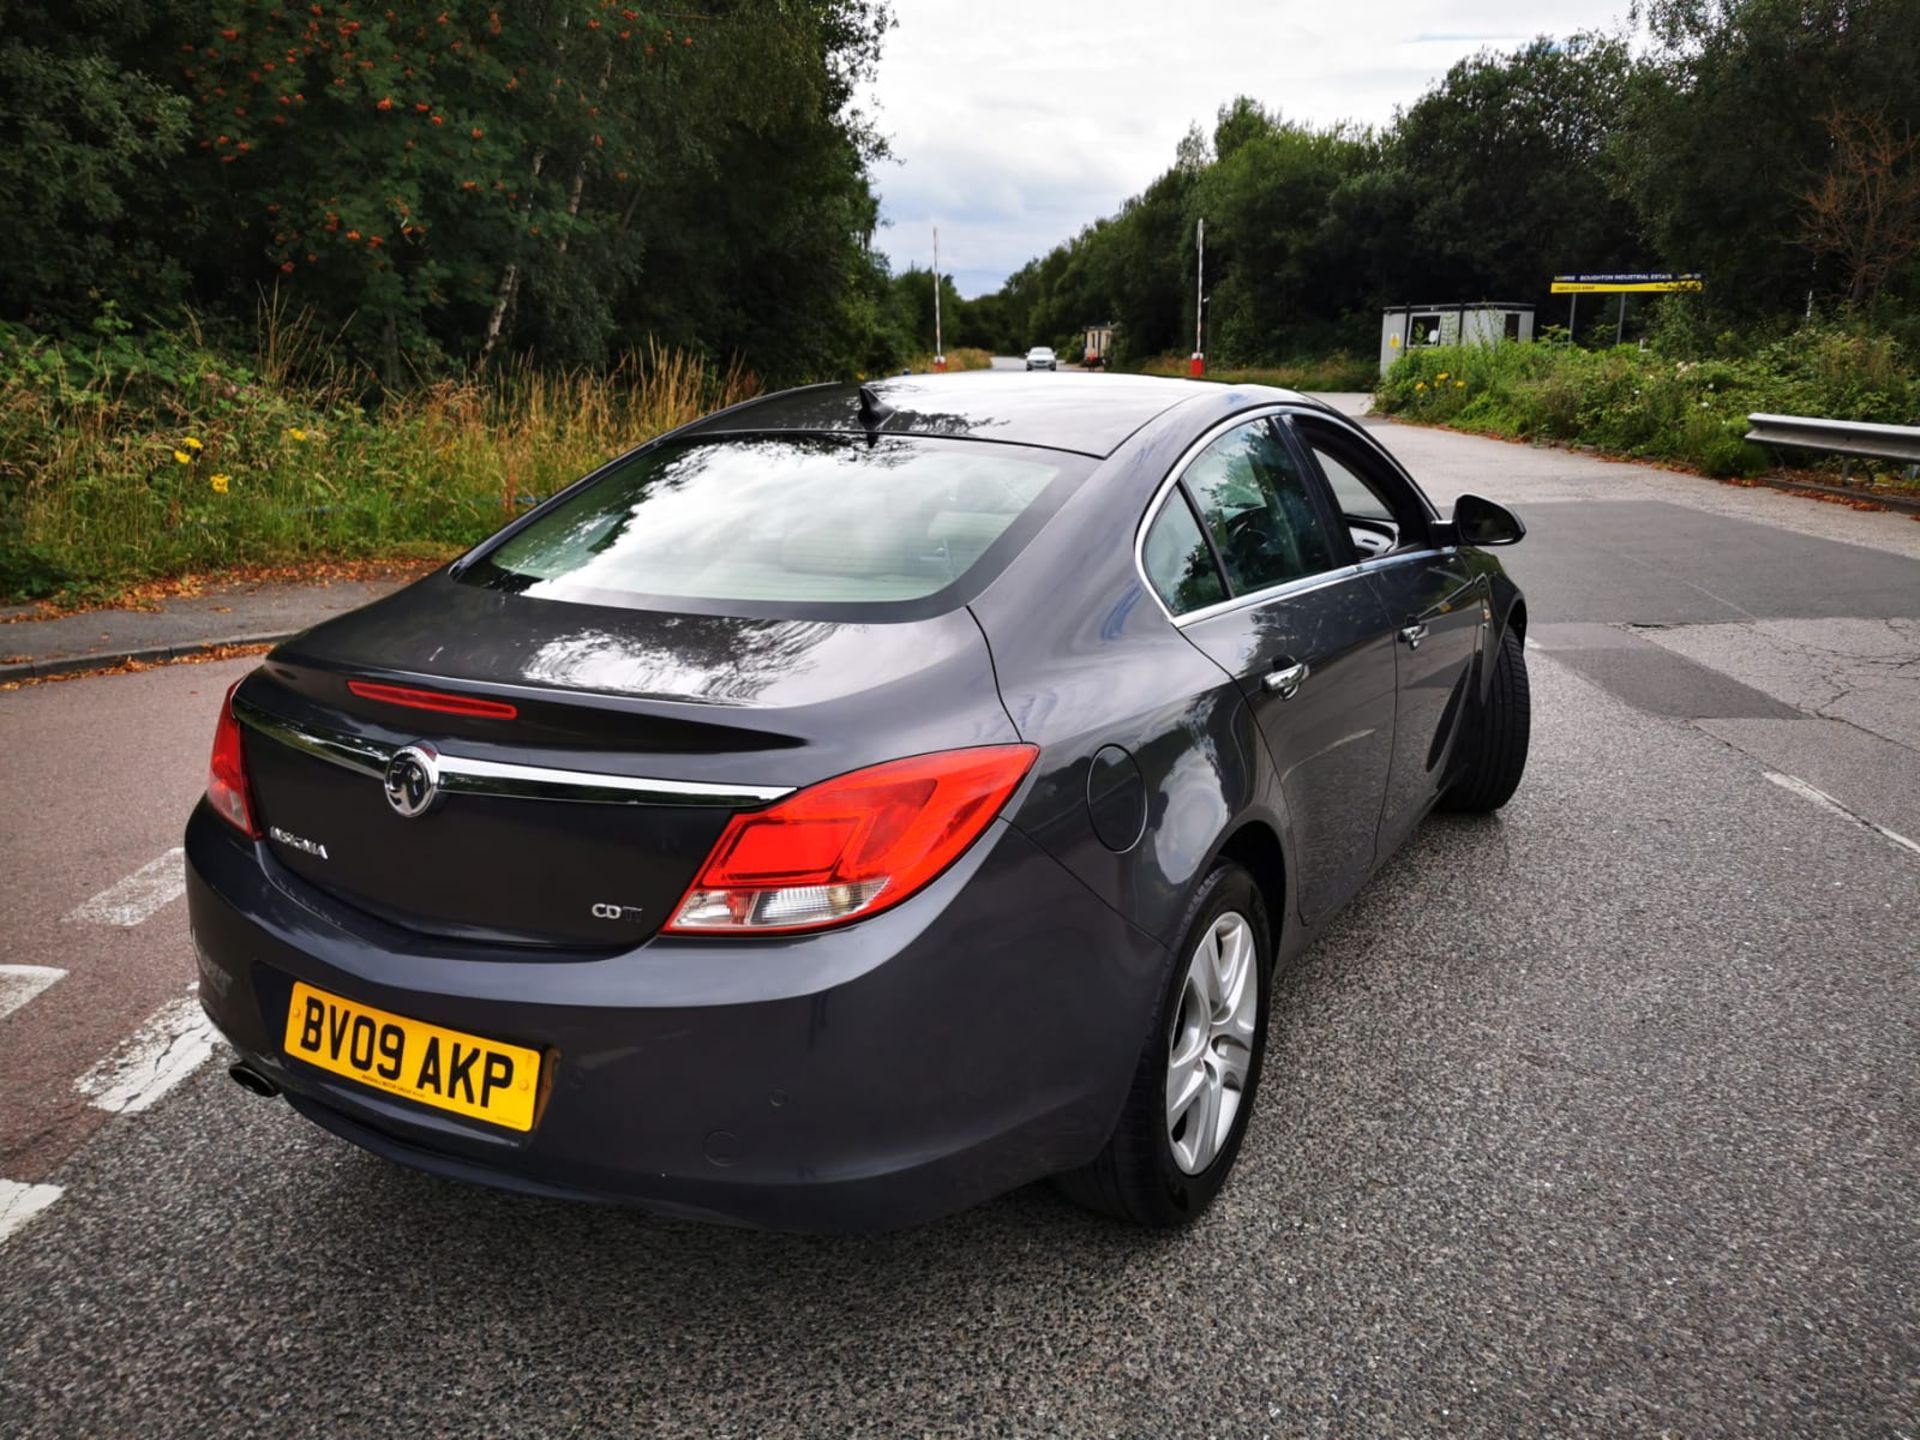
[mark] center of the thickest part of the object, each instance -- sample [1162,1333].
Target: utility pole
[1200,296]
[939,355]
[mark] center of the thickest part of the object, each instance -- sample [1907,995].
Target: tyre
[1193,1090]
[1495,751]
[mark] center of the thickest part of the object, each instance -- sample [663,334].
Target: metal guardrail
[1838,437]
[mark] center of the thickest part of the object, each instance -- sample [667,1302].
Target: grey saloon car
[858,803]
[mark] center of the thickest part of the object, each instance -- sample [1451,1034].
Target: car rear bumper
[974,1038]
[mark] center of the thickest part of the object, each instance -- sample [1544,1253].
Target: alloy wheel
[1210,1048]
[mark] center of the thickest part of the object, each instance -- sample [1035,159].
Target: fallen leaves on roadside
[1827,497]
[149,594]
[134,667]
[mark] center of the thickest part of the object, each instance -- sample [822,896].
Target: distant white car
[1041,358]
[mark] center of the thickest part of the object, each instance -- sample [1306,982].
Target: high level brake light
[437,701]
[227,772]
[851,846]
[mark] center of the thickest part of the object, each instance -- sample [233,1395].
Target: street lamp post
[939,355]
[1200,297]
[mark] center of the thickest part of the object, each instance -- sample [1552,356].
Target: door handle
[1286,683]
[1413,634]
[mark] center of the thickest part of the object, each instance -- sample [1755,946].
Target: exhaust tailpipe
[249,1079]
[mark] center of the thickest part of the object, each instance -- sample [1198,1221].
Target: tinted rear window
[788,525]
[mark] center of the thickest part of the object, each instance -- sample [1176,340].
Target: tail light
[851,846]
[227,772]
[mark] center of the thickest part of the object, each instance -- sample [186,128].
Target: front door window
[1258,510]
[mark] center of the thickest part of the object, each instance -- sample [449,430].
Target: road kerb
[149,655]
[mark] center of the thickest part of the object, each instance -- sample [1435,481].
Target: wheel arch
[1517,617]
[1255,846]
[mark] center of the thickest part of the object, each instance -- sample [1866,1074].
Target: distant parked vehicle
[1099,345]
[1042,358]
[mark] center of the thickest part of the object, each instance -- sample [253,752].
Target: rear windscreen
[779,522]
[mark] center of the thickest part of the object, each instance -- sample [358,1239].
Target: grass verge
[124,463]
[1640,404]
[1340,371]
[962,357]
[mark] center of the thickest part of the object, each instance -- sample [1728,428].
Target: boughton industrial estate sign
[1623,284]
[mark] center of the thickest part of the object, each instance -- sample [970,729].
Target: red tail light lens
[851,846]
[433,700]
[227,772]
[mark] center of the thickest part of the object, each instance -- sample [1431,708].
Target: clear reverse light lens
[797,905]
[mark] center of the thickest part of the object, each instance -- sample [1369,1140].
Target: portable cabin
[1474,322]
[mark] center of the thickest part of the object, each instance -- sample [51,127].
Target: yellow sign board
[1623,284]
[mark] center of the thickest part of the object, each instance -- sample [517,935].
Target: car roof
[1089,413]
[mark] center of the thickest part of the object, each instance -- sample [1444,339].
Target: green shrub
[1646,403]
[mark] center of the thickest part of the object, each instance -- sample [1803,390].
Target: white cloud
[1015,123]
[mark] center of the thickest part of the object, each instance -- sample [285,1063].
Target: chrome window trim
[1286,588]
[470,775]
[1400,557]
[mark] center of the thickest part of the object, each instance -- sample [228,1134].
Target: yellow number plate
[443,1068]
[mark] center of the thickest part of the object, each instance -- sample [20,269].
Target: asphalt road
[1595,1118]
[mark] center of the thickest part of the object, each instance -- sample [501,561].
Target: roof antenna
[874,412]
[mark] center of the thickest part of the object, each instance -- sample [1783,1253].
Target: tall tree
[1725,130]
[443,179]
[1501,169]
[1262,200]
[1865,212]
[82,139]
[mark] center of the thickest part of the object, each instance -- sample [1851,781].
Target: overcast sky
[1016,122]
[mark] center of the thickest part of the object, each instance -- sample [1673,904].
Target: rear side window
[1258,509]
[781,524]
[1177,560]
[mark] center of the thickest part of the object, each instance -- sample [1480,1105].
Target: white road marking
[156,883]
[175,1041]
[20,1202]
[20,983]
[1826,802]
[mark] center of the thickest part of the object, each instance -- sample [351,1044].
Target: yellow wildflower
[1419,384]
[220,482]
[1443,375]
[1459,384]
[183,457]
[296,433]
[192,444]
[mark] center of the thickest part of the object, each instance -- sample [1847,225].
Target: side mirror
[1478,521]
